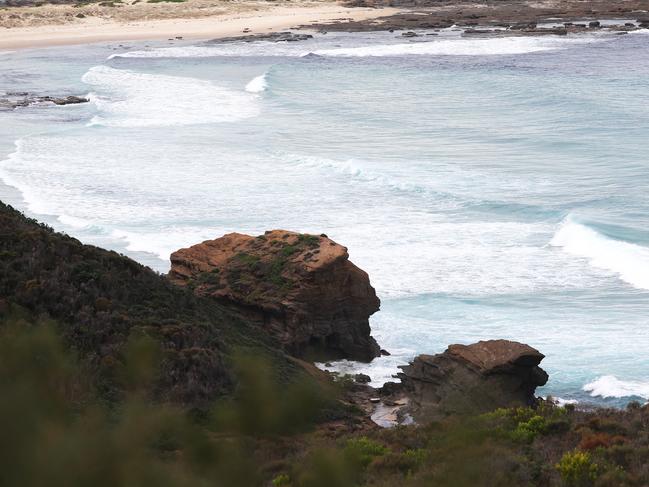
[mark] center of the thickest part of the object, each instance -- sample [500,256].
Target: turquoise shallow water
[492,188]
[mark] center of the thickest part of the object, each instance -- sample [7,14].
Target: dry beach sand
[51,25]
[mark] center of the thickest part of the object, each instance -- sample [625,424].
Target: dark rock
[270,37]
[362,378]
[384,353]
[595,24]
[478,31]
[523,25]
[301,289]
[390,388]
[68,100]
[410,34]
[473,379]
[23,99]
[80,16]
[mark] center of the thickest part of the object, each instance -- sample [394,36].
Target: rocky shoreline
[512,17]
[82,329]
[303,291]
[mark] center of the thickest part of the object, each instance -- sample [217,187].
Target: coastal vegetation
[110,375]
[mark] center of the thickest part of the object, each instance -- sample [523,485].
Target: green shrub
[577,469]
[364,450]
[528,430]
[281,480]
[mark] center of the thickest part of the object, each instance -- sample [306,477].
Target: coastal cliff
[71,316]
[473,379]
[301,289]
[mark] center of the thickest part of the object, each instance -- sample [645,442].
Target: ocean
[491,187]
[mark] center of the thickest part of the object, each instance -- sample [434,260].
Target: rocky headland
[304,292]
[472,379]
[79,398]
[301,289]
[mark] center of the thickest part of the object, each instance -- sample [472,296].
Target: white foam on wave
[449,46]
[610,386]
[357,171]
[165,241]
[74,222]
[258,84]
[130,99]
[31,195]
[226,50]
[458,47]
[629,261]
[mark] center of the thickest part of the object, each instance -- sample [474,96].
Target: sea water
[491,188]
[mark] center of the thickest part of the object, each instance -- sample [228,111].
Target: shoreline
[258,21]
[155,20]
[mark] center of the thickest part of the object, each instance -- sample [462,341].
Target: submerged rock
[14,100]
[473,379]
[270,37]
[301,288]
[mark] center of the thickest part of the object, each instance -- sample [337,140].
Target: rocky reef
[472,379]
[14,100]
[301,289]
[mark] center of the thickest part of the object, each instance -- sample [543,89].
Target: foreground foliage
[58,431]
[110,376]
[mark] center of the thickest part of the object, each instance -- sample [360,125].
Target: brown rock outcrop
[473,379]
[301,288]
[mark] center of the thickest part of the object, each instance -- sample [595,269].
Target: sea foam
[127,98]
[611,386]
[629,261]
[258,84]
[457,47]
[442,46]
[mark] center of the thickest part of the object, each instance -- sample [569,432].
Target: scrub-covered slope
[100,298]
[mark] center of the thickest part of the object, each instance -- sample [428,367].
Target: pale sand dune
[56,25]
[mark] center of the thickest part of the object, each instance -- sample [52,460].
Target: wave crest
[131,99]
[629,261]
[610,386]
[457,47]
[258,84]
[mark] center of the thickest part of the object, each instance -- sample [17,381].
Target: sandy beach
[31,27]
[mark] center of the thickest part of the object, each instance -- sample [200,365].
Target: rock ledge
[301,288]
[473,379]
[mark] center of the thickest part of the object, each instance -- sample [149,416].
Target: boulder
[362,379]
[302,289]
[473,379]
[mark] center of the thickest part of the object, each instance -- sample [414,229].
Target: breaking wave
[258,84]
[130,99]
[610,386]
[457,47]
[629,261]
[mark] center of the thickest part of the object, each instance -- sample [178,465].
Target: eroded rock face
[473,379]
[301,288]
